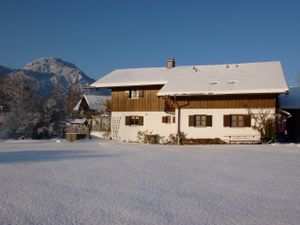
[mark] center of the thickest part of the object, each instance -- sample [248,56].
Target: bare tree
[264,123]
[72,97]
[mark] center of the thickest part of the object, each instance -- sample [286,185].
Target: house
[93,103]
[291,103]
[210,101]
[95,108]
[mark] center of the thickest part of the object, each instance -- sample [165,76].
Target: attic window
[214,82]
[136,94]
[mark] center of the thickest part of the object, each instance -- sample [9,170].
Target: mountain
[61,70]
[47,71]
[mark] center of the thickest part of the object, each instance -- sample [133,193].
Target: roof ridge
[201,65]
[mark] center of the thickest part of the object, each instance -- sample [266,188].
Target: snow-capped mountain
[61,70]
[47,71]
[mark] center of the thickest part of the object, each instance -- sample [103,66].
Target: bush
[202,141]
[172,139]
[147,137]
[264,124]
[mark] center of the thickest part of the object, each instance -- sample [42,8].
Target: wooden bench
[242,139]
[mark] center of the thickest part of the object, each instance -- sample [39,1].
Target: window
[200,121]
[237,120]
[134,121]
[136,94]
[168,119]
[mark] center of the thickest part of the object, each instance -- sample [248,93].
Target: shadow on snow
[49,155]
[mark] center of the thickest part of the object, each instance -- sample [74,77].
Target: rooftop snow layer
[133,77]
[290,100]
[95,102]
[247,78]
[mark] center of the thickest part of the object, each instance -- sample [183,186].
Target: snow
[249,78]
[103,182]
[290,100]
[78,121]
[133,77]
[245,78]
[95,102]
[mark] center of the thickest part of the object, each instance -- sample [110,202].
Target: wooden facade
[121,102]
[228,101]
[149,102]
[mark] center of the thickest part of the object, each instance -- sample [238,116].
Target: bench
[242,139]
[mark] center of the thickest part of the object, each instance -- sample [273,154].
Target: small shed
[79,126]
[96,103]
[76,129]
[291,103]
[96,108]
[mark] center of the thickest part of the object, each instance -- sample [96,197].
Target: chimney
[171,63]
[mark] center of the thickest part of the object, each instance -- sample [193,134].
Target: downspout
[178,121]
[179,118]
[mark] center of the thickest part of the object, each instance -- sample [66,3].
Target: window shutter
[209,121]
[226,120]
[174,119]
[141,93]
[127,120]
[141,120]
[247,120]
[191,120]
[164,119]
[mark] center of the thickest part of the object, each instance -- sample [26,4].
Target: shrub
[202,141]
[264,124]
[147,137]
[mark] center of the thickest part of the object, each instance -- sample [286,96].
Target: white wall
[218,130]
[153,122]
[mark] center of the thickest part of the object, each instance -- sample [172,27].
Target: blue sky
[100,36]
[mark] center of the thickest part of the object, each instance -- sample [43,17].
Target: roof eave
[114,85]
[283,91]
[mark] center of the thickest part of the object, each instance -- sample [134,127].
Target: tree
[27,112]
[72,97]
[24,106]
[264,123]
[59,102]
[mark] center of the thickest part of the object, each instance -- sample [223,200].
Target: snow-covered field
[101,182]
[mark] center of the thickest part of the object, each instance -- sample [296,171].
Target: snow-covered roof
[246,78]
[95,102]
[78,121]
[290,100]
[134,77]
